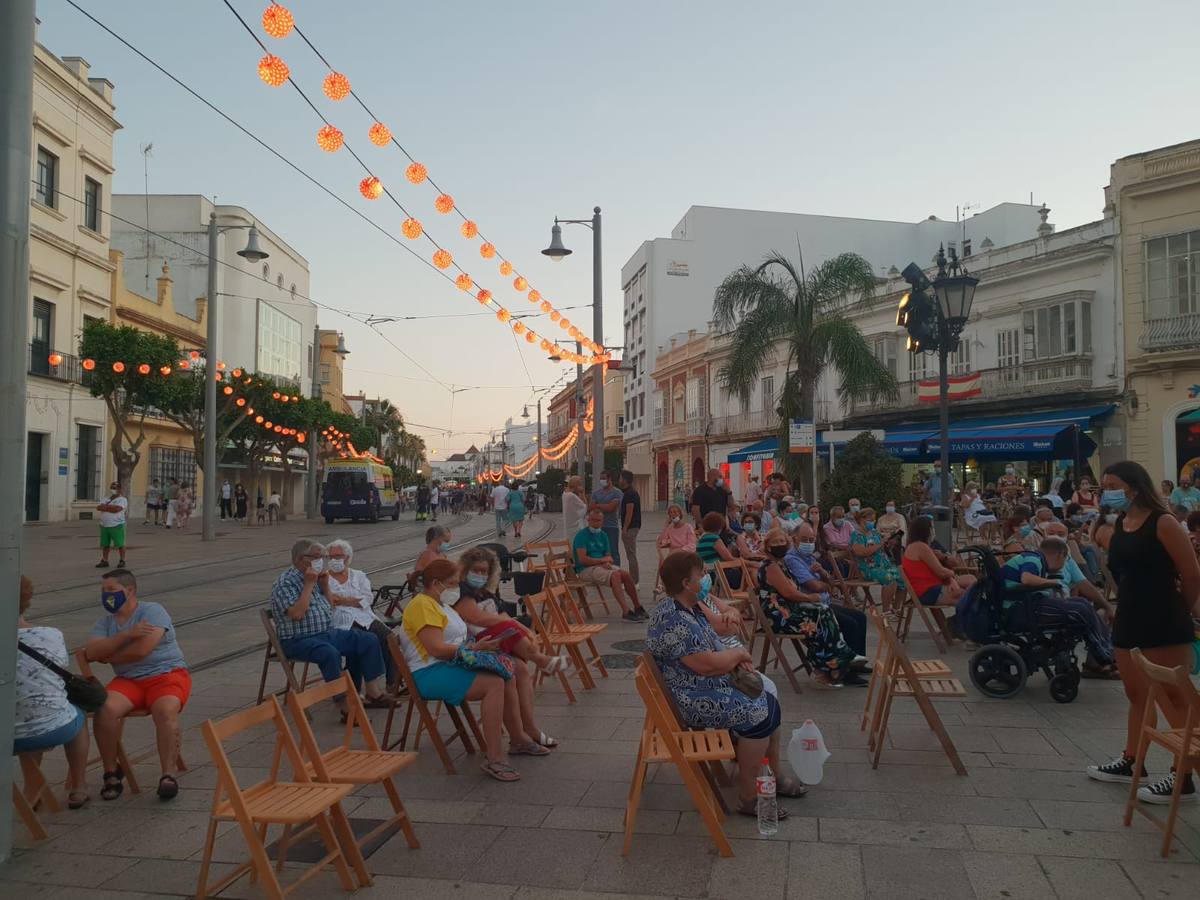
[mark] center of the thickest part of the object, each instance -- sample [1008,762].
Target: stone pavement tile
[593,767]
[78,870]
[58,892]
[965,810]
[446,812]
[572,727]
[540,856]
[1058,842]
[914,873]
[511,814]
[825,870]
[1162,880]
[1002,713]
[654,796]
[447,851]
[911,780]
[793,828]
[967,738]
[586,746]
[1089,816]
[607,818]
[164,876]
[536,893]
[1022,740]
[441,786]
[926,758]
[1033,785]
[845,804]
[758,869]
[675,865]
[1006,876]
[1060,738]
[532,788]
[1084,879]
[1076,764]
[904,833]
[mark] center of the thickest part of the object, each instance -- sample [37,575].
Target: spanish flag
[962,387]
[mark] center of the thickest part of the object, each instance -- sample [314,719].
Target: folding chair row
[932,618]
[560,628]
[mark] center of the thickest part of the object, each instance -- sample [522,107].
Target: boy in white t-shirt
[112,526]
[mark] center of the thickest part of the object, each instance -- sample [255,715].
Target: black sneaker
[631,616]
[103,565]
[1120,771]
[1160,792]
[641,613]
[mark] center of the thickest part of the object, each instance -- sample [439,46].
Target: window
[658,409]
[279,344]
[1173,275]
[884,349]
[91,204]
[46,189]
[1062,329]
[1008,354]
[324,373]
[695,398]
[172,462]
[88,454]
[39,337]
[768,393]
[959,362]
[918,365]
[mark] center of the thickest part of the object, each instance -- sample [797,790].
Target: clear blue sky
[531,109]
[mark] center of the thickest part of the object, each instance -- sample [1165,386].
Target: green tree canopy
[864,469]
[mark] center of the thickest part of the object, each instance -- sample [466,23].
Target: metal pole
[598,371]
[310,487]
[947,529]
[580,418]
[209,494]
[539,437]
[16,149]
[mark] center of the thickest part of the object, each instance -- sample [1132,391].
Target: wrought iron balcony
[1180,332]
[50,363]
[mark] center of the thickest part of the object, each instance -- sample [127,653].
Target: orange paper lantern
[283,398]
[118,367]
[503,314]
[55,359]
[184,364]
[484,296]
[531,337]
[564,323]
[469,229]
[336,86]
[505,268]
[273,70]
[555,315]
[518,327]
[249,410]
[266,424]
[442,259]
[444,203]
[300,437]
[194,354]
[277,21]
[487,250]
[464,282]
[380,134]
[275,395]
[546,306]
[411,228]
[330,139]
[416,173]
[220,366]
[89,364]
[164,370]
[241,401]
[227,390]
[535,297]
[144,369]
[520,283]
[545,345]
[237,373]
[371,187]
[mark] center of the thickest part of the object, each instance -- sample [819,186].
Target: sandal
[752,811]
[530,749]
[78,799]
[500,771]
[557,664]
[168,787]
[546,741]
[790,789]
[114,784]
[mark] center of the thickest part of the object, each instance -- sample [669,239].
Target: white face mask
[720,482]
[890,508]
[449,596]
[317,565]
[337,565]
[675,520]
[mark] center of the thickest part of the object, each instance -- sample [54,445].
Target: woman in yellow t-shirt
[430,635]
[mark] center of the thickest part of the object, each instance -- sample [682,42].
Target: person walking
[500,507]
[171,495]
[631,522]
[154,502]
[112,526]
[184,504]
[607,498]
[516,511]
[226,499]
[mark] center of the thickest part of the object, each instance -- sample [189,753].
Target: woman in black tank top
[1158,584]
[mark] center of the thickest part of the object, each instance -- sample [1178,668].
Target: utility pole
[540,468]
[16,137]
[208,525]
[598,369]
[311,504]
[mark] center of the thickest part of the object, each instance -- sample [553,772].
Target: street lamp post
[253,253]
[556,251]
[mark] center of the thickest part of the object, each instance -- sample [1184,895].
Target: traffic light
[917,312]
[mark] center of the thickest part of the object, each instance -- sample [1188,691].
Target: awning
[764,449]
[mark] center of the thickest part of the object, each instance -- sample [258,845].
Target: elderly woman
[437,543]
[750,541]
[866,545]
[696,667]
[44,717]
[792,611]
[352,599]
[431,636]
[575,507]
[678,533]
[891,522]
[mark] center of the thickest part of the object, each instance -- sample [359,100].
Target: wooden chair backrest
[727,590]
[215,732]
[403,672]
[1168,676]
[648,665]
[562,607]
[357,719]
[539,555]
[541,628]
[267,617]
[893,655]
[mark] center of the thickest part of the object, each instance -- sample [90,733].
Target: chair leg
[351,852]
[783,663]
[206,860]
[1139,762]
[337,850]
[934,631]
[599,660]
[635,797]
[473,724]
[262,682]
[705,805]
[1182,769]
[27,815]
[935,723]
[127,768]
[402,817]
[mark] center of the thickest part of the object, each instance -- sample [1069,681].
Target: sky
[529,110]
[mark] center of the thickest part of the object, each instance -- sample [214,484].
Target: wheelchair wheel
[1064,687]
[997,670]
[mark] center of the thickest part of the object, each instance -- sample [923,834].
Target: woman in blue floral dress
[696,666]
[866,545]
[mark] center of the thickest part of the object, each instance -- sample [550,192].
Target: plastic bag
[807,754]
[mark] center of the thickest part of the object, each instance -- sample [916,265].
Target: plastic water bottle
[768,806]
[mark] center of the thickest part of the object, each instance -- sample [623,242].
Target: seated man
[1034,569]
[138,641]
[304,622]
[594,565]
[808,573]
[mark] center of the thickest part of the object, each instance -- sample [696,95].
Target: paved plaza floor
[1024,823]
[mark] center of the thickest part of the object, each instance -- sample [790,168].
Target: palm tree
[387,422]
[808,314]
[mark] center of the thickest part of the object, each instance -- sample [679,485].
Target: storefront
[755,459]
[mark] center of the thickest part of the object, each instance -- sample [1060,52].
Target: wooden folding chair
[565,615]
[460,716]
[346,765]
[556,639]
[562,571]
[663,742]
[773,643]
[291,804]
[274,654]
[900,678]
[741,595]
[35,791]
[123,760]
[1182,743]
[911,603]
[847,585]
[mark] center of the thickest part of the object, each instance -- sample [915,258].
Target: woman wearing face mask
[437,545]
[793,611]
[866,546]
[1158,592]
[750,541]
[976,513]
[677,534]
[891,522]
[574,507]
[1018,533]
[349,592]
[430,636]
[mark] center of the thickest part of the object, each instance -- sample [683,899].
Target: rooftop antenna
[146,150]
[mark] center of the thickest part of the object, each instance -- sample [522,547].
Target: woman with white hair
[351,595]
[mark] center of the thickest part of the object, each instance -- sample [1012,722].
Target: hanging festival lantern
[464,282]
[546,306]
[564,323]
[184,364]
[194,354]
[283,398]
[487,250]
[416,173]
[555,315]
[535,297]
[164,370]
[330,139]
[258,420]
[277,21]
[469,229]
[275,395]
[273,70]
[118,367]
[220,366]
[442,259]
[518,327]
[411,228]
[371,187]
[241,401]
[530,337]
[89,364]
[144,369]
[55,359]
[237,373]
[505,268]
[336,86]
[249,410]
[380,134]
[267,424]
[227,390]
[545,345]
[444,203]
[484,296]
[503,314]
[300,437]
[520,283]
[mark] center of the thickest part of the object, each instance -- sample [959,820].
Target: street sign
[802,436]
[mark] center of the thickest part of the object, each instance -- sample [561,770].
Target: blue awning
[764,449]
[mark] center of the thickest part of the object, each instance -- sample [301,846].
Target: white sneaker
[1160,792]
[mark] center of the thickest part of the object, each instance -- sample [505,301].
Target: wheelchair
[1018,636]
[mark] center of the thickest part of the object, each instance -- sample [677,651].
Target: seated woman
[710,548]
[44,716]
[437,543]
[431,634]
[934,584]
[1017,532]
[792,611]
[866,546]
[750,541]
[349,593]
[678,533]
[976,513]
[695,668]
[891,522]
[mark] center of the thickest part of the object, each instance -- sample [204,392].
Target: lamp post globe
[556,251]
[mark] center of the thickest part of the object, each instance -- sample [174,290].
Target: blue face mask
[705,587]
[870,526]
[1115,499]
[749,528]
[1026,531]
[807,549]
[837,523]
[444,547]
[112,600]
[475,580]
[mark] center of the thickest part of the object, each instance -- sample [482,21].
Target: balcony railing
[1180,332]
[65,368]
[696,426]
[759,420]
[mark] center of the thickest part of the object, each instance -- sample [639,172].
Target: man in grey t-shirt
[607,498]
[138,640]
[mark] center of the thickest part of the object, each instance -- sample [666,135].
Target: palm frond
[742,290]
[837,340]
[753,341]
[840,283]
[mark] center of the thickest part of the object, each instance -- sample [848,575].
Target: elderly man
[304,622]
[594,564]
[802,564]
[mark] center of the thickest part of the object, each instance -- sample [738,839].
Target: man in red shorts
[138,640]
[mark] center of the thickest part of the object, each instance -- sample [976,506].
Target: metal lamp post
[556,251]
[253,253]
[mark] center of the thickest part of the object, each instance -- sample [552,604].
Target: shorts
[144,692]
[63,734]
[442,681]
[595,575]
[112,536]
[931,596]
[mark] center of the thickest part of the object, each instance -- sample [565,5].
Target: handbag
[747,681]
[488,661]
[87,694]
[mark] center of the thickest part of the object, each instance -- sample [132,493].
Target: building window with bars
[768,393]
[172,462]
[91,204]
[88,456]
[884,349]
[1058,329]
[46,187]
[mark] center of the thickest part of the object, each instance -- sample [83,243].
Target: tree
[385,421]
[128,394]
[773,307]
[183,403]
[864,469]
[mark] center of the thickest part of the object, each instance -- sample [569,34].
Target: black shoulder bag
[86,693]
